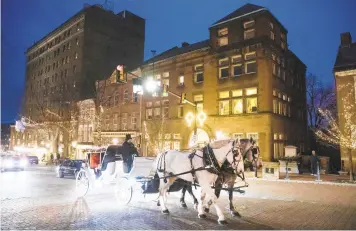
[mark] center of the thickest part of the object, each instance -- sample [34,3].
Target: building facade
[243,77]
[62,67]
[345,81]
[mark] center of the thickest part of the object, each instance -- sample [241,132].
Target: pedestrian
[314,161]
[58,157]
[299,163]
[51,158]
[129,150]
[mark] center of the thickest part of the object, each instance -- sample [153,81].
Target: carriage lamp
[115,141]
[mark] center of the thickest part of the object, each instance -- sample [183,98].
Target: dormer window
[223,37]
[198,73]
[249,34]
[249,24]
[271,25]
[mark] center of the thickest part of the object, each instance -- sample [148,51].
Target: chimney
[185,44]
[346,39]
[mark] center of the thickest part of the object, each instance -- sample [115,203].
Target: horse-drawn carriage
[110,167]
[204,166]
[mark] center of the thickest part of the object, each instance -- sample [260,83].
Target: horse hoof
[202,216]
[235,213]
[158,204]
[222,222]
[165,211]
[206,210]
[184,205]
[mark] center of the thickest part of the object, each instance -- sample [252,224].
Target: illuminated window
[149,113]
[157,112]
[148,104]
[180,111]
[181,80]
[251,105]
[271,25]
[165,74]
[176,145]
[224,94]
[224,107]
[223,37]
[223,31]
[198,98]
[251,91]
[237,106]
[200,107]
[271,35]
[236,59]
[223,41]
[236,93]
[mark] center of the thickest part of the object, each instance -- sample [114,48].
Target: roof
[242,11]
[175,51]
[346,58]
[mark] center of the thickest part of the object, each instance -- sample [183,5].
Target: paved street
[36,199]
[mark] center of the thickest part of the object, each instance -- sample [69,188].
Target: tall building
[345,81]
[244,77]
[63,66]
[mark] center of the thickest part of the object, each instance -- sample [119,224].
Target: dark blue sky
[314,30]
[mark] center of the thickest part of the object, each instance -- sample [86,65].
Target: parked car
[69,168]
[32,159]
[13,163]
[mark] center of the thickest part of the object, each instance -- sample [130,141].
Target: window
[249,34]
[158,77]
[283,45]
[271,35]
[224,107]
[176,145]
[167,145]
[271,25]
[115,121]
[224,94]
[223,37]
[237,136]
[283,36]
[237,69]
[181,80]
[250,56]
[134,97]
[149,113]
[224,68]
[180,111]
[198,98]
[76,55]
[236,59]
[157,112]
[134,121]
[165,74]
[77,41]
[249,24]
[254,136]
[275,106]
[126,96]
[223,41]
[148,104]
[198,75]
[200,107]
[251,105]
[237,106]
[157,103]
[236,93]
[223,32]
[74,68]
[251,91]
[250,67]
[165,82]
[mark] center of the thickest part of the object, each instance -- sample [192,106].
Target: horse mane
[219,143]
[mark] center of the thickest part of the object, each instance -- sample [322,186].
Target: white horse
[171,163]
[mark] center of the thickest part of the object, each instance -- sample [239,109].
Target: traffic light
[120,75]
[183,97]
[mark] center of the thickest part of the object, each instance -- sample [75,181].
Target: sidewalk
[306,178]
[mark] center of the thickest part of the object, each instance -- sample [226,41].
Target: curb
[303,182]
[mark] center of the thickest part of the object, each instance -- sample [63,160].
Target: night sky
[314,28]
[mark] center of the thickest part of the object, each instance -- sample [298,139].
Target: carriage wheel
[123,191]
[81,183]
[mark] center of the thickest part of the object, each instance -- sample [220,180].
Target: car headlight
[23,163]
[9,163]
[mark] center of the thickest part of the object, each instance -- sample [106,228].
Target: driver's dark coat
[128,150]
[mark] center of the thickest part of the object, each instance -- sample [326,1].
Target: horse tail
[159,162]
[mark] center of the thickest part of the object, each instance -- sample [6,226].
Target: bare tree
[319,97]
[345,135]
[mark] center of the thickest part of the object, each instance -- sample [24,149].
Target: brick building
[345,81]
[243,77]
[63,66]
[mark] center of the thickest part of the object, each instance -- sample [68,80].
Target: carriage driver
[129,150]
